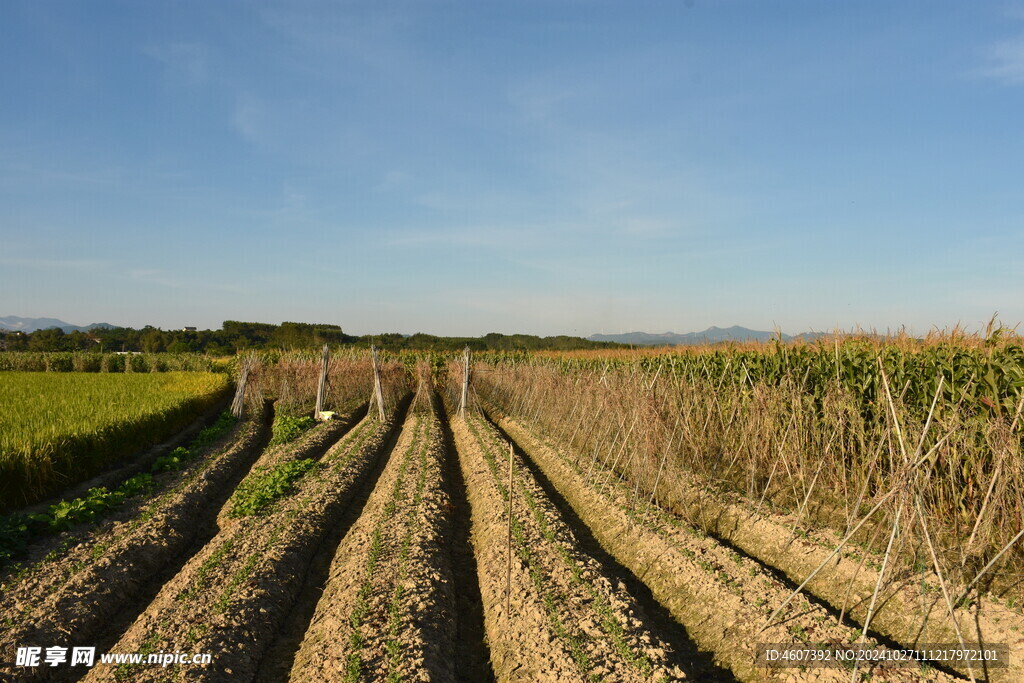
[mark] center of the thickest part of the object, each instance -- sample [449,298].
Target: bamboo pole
[378,393]
[322,384]
[465,384]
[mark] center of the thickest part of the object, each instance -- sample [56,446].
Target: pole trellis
[465,384]
[322,385]
[238,404]
[377,392]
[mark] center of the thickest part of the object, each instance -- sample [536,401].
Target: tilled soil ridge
[722,598]
[387,612]
[72,601]
[910,609]
[567,620]
[314,443]
[231,597]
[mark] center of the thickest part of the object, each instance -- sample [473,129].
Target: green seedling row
[606,618]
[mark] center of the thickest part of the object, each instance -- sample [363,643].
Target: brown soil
[313,443]
[910,609]
[388,607]
[231,597]
[83,595]
[904,612]
[567,619]
[473,664]
[721,597]
[601,585]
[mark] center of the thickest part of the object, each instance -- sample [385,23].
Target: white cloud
[1005,62]
[249,119]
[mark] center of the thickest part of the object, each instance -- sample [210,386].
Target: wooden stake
[322,385]
[376,383]
[465,385]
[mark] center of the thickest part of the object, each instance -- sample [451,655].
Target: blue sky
[543,167]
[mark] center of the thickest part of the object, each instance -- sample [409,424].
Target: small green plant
[798,632]
[288,428]
[266,486]
[67,513]
[174,460]
[17,530]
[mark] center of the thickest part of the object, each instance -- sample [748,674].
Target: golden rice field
[58,428]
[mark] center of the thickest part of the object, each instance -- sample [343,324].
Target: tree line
[235,336]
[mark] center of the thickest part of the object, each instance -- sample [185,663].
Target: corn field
[819,432]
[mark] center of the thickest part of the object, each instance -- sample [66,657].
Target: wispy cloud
[1005,62]
[188,63]
[249,118]
[173,280]
[482,236]
[57,263]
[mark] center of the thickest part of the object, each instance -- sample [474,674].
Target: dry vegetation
[645,516]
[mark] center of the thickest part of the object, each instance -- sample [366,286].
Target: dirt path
[472,665]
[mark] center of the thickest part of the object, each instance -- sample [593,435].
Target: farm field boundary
[135,464]
[58,429]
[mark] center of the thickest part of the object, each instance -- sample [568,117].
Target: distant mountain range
[13,323]
[708,336]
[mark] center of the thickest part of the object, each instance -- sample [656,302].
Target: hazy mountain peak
[13,323]
[711,335]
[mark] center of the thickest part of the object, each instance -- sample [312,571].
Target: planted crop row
[386,612]
[722,598]
[87,361]
[232,597]
[783,448]
[609,623]
[57,429]
[354,664]
[598,625]
[982,375]
[72,595]
[17,530]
